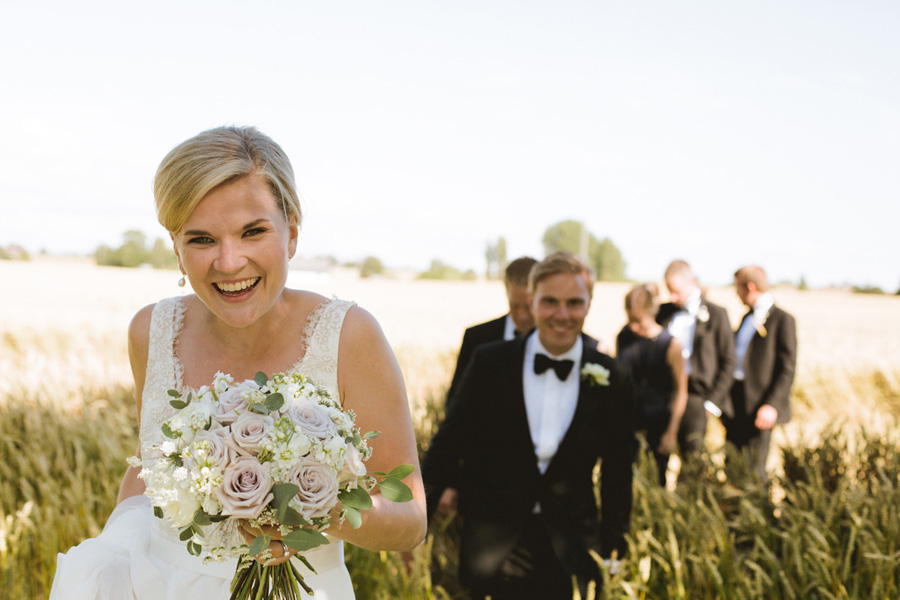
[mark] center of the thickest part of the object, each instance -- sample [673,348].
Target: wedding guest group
[657,366]
[521,439]
[707,345]
[766,357]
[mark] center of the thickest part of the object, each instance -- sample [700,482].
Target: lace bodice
[319,362]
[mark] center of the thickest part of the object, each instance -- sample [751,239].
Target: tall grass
[829,526]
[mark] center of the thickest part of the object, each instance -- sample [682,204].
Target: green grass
[832,530]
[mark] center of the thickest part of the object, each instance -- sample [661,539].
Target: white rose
[312,419]
[354,467]
[246,488]
[248,431]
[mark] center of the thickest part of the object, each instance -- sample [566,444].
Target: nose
[230,259]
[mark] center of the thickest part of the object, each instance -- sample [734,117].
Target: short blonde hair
[679,267]
[214,157]
[644,298]
[561,262]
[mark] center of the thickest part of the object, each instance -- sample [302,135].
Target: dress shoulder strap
[322,340]
[164,371]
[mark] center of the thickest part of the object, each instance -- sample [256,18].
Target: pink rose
[231,405]
[313,419]
[318,487]
[220,454]
[248,431]
[246,488]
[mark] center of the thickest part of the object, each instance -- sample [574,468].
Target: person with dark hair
[766,357]
[656,364]
[707,345]
[522,439]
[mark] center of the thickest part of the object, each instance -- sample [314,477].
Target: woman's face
[640,322]
[234,249]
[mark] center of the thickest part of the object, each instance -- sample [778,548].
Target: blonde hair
[214,157]
[679,267]
[561,262]
[644,298]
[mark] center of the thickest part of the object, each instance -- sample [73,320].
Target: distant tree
[370,266]
[802,285]
[440,270]
[602,255]
[501,256]
[134,252]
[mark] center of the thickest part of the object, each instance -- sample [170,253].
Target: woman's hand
[279,551]
[667,441]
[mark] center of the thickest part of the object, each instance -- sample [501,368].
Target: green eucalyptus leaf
[257,545]
[174,393]
[358,498]
[395,490]
[353,517]
[186,533]
[261,378]
[194,548]
[201,519]
[283,493]
[371,435]
[401,471]
[291,518]
[158,512]
[260,408]
[217,518]
[302,540]
[179,404]
[167,431]
[274,401]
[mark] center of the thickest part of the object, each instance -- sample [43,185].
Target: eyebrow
[250,225]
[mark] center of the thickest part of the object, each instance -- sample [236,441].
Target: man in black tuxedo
[522,438]
[708,346]
[766,357]
[518,321]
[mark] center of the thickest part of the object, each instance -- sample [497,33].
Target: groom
[531,418]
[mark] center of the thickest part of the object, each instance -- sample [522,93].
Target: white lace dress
[136,555]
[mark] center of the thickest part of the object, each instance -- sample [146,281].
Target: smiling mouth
[237,288]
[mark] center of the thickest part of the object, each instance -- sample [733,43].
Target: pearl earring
[181,281]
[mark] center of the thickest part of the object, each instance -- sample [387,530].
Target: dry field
[63,328]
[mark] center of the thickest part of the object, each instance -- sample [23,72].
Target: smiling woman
[228,199]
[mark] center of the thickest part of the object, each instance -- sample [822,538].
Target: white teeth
[236,287]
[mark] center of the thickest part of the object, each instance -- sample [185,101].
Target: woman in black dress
[657,367]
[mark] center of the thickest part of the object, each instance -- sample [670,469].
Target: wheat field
[831,531]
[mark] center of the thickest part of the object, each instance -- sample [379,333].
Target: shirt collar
[692,304]
[763,304]
[534,346]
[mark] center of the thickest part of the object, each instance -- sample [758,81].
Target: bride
[228,199]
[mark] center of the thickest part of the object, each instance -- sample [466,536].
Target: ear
[177,252]
[294,234]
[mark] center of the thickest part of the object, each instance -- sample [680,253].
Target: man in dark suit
[766,357]
[517,321]
[707,344]
[529,422]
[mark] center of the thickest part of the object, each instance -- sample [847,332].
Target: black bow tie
[542,362]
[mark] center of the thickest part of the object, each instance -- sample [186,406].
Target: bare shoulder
[139,328]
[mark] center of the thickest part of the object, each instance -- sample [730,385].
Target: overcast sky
[723,133]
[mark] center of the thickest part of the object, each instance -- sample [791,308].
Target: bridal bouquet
[274,454]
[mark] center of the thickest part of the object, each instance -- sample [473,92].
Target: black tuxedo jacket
[712,359]
[484,447]
[770,363]
[475,336]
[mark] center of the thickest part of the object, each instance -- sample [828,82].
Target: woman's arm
[371,385]
[675,360]
[138,347]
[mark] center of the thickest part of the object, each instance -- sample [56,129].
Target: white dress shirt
[509,328]
[749,326]
[683,325]
[549,402]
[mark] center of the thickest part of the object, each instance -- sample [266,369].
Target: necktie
[562,368]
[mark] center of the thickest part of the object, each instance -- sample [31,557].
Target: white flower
[596,374]
[167,447]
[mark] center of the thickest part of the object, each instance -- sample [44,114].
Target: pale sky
[724,133]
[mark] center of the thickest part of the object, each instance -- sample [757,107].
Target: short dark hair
[517,271]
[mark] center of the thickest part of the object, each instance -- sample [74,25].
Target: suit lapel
[514,391]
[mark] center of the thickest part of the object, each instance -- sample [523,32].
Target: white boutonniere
[760,324]
[703,314]
[596,374]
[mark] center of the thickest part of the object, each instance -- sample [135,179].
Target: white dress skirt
[136,556]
